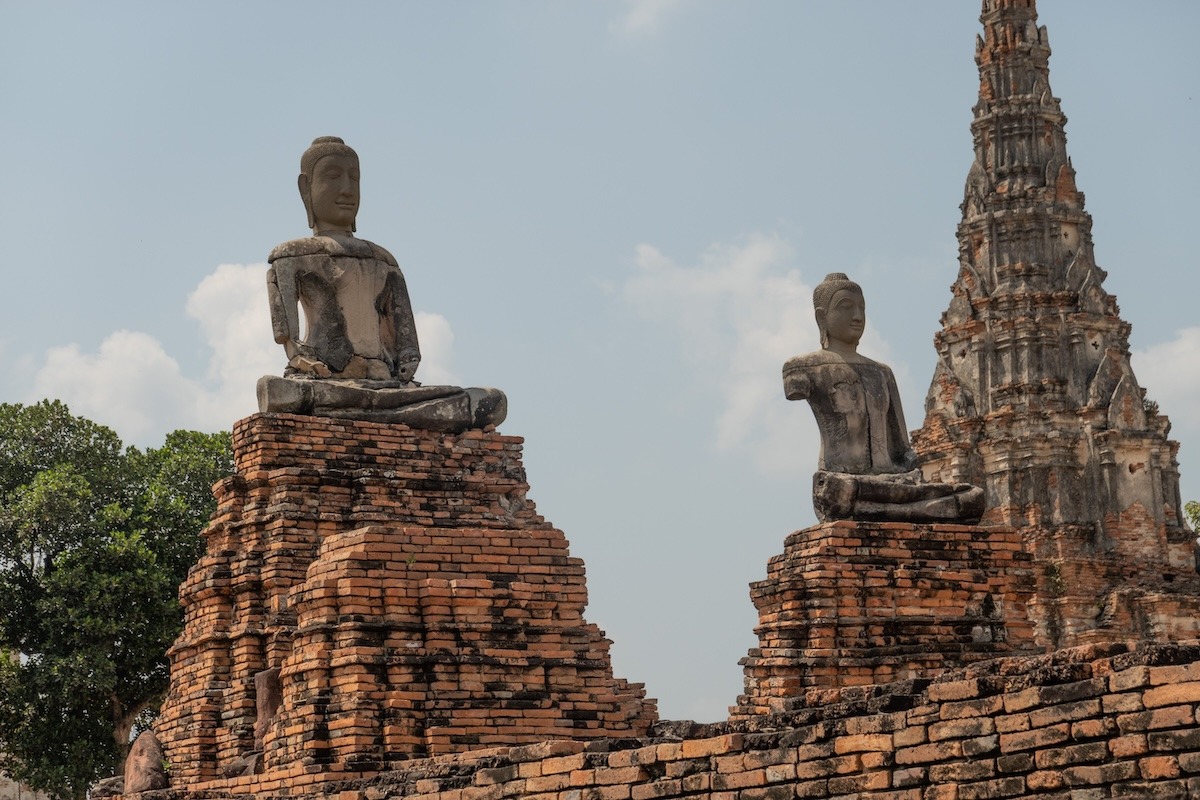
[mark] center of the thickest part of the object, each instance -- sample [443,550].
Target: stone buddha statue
[358,352]
[867,468]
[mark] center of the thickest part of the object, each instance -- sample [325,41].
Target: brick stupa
[373,593]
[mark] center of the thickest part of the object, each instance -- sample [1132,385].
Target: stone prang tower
[1033,396]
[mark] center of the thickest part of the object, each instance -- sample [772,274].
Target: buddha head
[328,184]
[840,309]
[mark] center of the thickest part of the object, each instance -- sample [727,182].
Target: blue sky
[614,211]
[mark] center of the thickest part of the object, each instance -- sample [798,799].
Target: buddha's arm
[408,353]
[898,443]
[284,299]
[797,383]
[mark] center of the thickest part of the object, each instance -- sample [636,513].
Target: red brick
[1181,673]
[871,742]
[986,790]
[1159,767]
[962,771]
[905,737]
[955,690]
[1074,754]
[650,791]
[1064,713]
[961,729]
[1093,728]
[1132,744]
[986,706]
[1100,775]
[1028,740]
[1174,717]
[1172,695]
[693,748]
[929,753]
[1132,678]
[860,783]
[1044,780]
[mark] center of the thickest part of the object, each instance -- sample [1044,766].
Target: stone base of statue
[858,603]
[437,408]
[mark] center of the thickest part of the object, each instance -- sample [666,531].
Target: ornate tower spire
[1033,396]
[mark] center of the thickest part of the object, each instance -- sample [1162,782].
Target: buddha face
[333,193]
[846,317]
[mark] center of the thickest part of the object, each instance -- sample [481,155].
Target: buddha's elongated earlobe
[305,186]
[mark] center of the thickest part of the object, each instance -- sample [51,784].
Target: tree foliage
[95,538]
[1192,509]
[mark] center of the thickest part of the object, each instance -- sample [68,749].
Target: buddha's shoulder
[341,246]
[830,360]
[817,358]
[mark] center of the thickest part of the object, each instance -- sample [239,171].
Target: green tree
[95,539]
[1192,509]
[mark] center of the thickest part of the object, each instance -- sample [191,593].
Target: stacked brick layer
[1093,722]
[853,603]
[412,641]
[408,592]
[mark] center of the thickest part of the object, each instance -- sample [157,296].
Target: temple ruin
[381,612]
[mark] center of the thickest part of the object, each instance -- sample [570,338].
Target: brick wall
[1099,721]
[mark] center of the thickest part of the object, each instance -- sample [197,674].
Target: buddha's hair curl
[324,146]
[833,283]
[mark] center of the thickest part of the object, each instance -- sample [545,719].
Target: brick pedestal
[856,603]
[407,592]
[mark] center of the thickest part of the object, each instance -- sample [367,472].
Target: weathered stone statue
[867,469]
[359,351]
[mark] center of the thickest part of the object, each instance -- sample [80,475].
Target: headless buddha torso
[867,469]
[359,320]
[857,406]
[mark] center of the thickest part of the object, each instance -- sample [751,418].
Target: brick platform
[410,596]
[853,603]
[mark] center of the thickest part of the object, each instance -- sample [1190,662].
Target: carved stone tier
[856,603]
[409,596]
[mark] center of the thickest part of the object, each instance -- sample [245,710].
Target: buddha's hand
[310,366]
[406,369]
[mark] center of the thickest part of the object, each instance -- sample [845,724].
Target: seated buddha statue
[358,352]
[867,469]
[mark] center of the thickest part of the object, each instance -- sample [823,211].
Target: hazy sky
[614,211]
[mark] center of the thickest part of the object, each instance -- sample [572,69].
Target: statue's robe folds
[359,350]
[867,468]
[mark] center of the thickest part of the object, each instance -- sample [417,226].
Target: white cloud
[231,306]
[437,350]
[644,17]
[740,313]
[1168,371]
[131,384]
